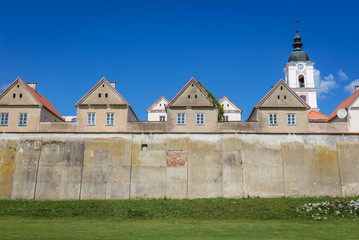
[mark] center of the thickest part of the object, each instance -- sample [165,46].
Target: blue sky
[152,48]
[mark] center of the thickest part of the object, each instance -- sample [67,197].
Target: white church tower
[299,74]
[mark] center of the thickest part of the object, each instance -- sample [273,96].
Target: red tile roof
[345,104]
[314,115]
[41,100]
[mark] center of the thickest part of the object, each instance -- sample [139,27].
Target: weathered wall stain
[127,166]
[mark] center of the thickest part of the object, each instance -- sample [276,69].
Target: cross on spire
[296,25]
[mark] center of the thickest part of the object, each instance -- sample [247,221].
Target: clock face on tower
[300,67]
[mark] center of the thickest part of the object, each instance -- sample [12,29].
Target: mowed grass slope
[248,218]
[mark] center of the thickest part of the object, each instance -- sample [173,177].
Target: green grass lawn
[69,228]
[250,218]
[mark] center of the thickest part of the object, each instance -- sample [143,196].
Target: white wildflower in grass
[337,209]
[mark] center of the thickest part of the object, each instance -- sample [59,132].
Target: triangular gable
[198,96]
[31,97]
[225,98]
[282,96]
[102,87]
[345,104]
[155,106]
[273,102]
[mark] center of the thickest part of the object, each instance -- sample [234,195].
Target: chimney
[113,84]
[32,84]
[356,88]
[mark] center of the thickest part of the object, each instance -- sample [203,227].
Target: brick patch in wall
[176,158]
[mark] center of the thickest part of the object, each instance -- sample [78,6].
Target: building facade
[22,108]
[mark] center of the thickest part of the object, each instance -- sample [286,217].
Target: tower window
[301,81]
[303,97]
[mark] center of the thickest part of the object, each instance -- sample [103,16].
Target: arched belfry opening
[301,81]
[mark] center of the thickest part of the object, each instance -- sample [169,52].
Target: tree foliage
[215,101]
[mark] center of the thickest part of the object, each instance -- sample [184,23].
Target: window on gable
[285,96]
[278,97]
[103,85]
[18,85]
[91,119]
[272,117]
[20,95]
[195,96]
[106,95]
[14,95]
[4,119]
[110,119]
[99,95]
[181,118]
[281,87]
[200,118]
[291,119]
[22,119]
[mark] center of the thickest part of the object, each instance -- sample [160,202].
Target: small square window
[273,119]
[4,119]
[181,118]
[91,119]
[200,118]
[22,119]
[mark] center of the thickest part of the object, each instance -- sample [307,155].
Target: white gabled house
[231,111]
[157,111]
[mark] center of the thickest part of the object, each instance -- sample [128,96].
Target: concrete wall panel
[348,154]
[262,171]
[26,164]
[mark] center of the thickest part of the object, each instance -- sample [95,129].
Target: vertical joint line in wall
[82,168]
[339,169]
[188,161]
[130,182]
[37,169]
[283,172]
